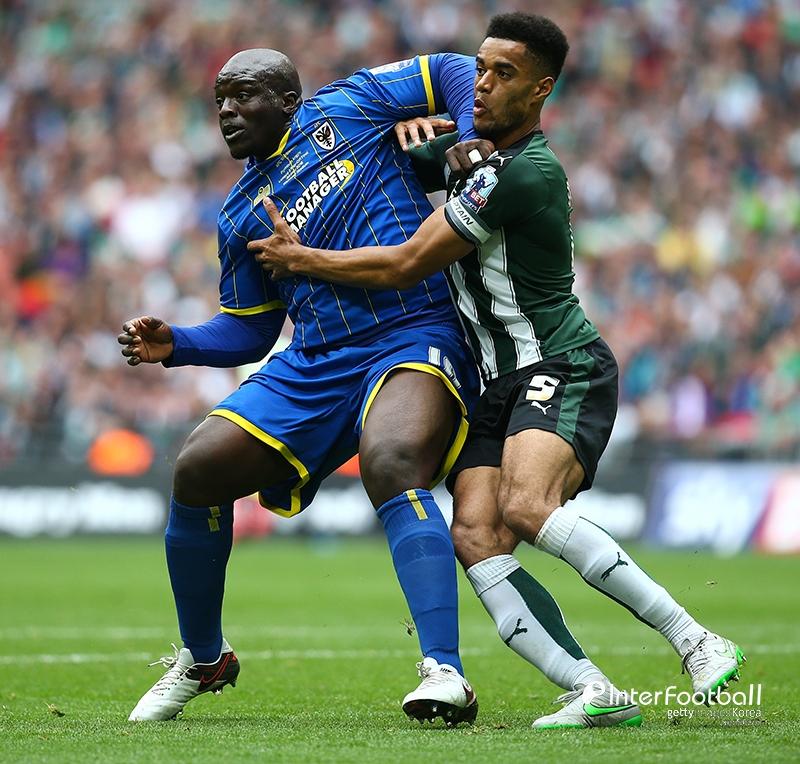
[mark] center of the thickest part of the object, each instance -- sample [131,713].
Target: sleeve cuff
[174,359]
[464,223]
[255,309]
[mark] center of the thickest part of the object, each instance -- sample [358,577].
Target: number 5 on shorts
[541,388]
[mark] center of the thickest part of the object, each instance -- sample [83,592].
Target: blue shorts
[311,407]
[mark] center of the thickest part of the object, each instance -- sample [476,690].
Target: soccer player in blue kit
[382,373]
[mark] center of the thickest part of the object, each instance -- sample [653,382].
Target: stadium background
[677,124]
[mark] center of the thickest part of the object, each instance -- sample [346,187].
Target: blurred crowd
[677,122]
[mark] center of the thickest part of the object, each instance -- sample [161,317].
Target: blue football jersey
[341,181]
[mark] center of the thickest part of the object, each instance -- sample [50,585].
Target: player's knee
[524,515]
[189,480]
[391,467]
[474,542]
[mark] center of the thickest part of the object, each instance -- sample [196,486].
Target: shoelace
[696,656]
[567,697]
[174,670]
[430,677]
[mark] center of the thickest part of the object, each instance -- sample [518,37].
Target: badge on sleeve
[478,188]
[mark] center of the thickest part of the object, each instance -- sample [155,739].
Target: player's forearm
[433,247]
[428,162]
[370,267]
[226,340]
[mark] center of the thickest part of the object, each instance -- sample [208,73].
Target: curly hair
[543,38]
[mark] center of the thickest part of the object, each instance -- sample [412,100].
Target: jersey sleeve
[225,341]
[244,288]
[423,86]
[429,161]
[499,192]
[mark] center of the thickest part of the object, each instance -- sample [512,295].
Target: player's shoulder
[518,179]
[515,169]
[385,73]
[388,71]
[528,166]
[538,153]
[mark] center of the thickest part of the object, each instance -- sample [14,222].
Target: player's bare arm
[432,248]
[146,339]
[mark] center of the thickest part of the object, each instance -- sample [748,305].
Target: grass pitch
[326,659]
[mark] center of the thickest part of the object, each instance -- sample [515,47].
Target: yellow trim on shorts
[461,434]
[283,450]
[263,308]
[425,68]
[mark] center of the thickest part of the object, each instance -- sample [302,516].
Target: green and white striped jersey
[514,290]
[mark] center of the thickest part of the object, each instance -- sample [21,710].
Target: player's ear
[291,100]
[543,88]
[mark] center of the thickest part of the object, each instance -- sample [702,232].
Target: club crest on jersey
[324,136]
[333,175]
[479,187]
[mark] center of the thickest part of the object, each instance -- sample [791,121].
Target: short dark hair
[542,37]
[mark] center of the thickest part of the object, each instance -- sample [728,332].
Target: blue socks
[198,543]
[424,560]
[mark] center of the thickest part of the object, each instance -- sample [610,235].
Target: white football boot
[598,704]
[185,679]
[443,692]
[712,663]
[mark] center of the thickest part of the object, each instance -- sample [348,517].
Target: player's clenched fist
[462,157]
[146,339]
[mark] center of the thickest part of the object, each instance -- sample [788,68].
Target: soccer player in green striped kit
[505,242]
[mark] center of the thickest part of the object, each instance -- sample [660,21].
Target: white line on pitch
[272,655]
[127,632]
[167,633]
[258,655]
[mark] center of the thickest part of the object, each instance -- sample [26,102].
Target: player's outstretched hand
[408,132]
[275,254]
[462,157]
[146,339]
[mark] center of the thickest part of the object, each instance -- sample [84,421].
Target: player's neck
[277,147]
[518,133]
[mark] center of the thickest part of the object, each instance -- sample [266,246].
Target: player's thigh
[420,385]
[478,529]
[221,461]
[563,413]
[539,472]
[287,426]
[407,431]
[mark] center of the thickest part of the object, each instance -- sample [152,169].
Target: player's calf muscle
[476,542]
